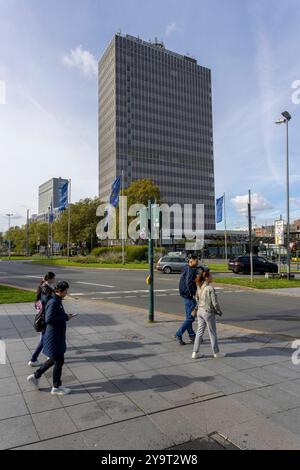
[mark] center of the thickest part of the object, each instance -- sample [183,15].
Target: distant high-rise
[49,191]
[155,121]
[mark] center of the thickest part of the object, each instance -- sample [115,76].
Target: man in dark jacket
[187,290]
[54,344]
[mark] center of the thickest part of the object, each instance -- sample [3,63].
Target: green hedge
[133,252]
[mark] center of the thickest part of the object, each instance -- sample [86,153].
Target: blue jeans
[190,305]
[38,349]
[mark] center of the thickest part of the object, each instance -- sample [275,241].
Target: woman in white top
[208,308]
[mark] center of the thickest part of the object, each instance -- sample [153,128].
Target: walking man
[187,290]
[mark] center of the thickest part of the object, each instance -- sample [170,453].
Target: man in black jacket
[187,290]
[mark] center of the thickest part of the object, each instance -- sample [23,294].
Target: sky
[48,93]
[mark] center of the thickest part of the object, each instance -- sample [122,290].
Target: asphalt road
[250,309]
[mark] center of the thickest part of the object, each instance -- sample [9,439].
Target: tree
[140,191]
[83,224]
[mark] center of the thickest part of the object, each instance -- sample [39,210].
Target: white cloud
[295,201]
[259,203]
[82,60]
[171,28]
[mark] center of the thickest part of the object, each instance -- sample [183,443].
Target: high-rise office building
[155,121]
[50,191]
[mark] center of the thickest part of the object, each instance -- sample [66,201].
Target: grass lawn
[10,295]
[5,258]
[259,283]
[64,262]
[217,267]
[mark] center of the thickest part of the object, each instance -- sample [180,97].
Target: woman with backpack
[208,308]
[44,293]
[54,340]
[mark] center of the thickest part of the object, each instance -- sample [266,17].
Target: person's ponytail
[202,278]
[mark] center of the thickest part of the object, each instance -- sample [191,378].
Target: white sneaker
[60,391]
[219,355]
[33,381]
[34,363]
[197,355]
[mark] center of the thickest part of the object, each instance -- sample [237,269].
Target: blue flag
[219,205]
[63,196]
[51,215]
[115,191]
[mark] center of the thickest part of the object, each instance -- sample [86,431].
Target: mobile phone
[74,314]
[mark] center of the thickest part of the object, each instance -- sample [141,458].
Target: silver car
[171,264]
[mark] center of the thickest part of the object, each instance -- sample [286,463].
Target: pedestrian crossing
[140,293]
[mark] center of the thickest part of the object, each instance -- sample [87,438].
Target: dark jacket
[54,343]
[187,285]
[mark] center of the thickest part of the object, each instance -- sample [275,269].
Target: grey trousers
[208,320]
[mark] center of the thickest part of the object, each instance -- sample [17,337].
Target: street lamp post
[9,215]
[286,117]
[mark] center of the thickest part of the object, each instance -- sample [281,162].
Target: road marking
[97,298]
[114,297]
[92,284]
[34,277]
[130,296]
[127,291]
[77,293]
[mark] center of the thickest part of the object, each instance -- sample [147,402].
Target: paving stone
[9,386]
[6,371]
[119,408]
[70,442]
[16,432]
[38,401]
[86,372]
[136,434]
[53,423]
[262,405]
[101,389]
[262,434]
[282,398]
[288,419]
[88,415]
[12,406]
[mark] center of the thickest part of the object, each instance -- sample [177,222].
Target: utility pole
[9,215]
[250,235]
[151,264]
[27,233]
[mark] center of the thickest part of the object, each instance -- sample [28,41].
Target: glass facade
[155,121]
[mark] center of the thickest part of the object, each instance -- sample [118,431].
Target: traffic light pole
[151,264]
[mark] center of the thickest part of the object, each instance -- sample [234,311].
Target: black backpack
[39,320]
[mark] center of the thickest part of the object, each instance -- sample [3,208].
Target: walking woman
[54,340]
[44,293]
[208,308]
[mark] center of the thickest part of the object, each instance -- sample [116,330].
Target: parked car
[241,264]
[172,264]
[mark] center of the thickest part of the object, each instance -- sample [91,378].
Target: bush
[99,251]
[110,258]
[136,253]
[85,259]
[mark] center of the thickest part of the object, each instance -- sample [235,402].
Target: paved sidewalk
[135,388]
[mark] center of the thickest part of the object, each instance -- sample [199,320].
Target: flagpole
[122,234]
[225,223]
[48,241]
[51,230]
[69,219]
